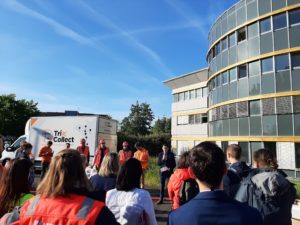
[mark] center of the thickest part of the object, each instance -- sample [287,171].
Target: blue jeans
[163,180]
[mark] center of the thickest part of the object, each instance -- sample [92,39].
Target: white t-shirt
[133,207]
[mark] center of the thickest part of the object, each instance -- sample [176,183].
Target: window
[186,95]
[271,146]
[232,74]
[224,44]
[192,94]
[254,68]
[294,17]
[255,108]
[269,125]
[285,125]
[267,65]
[218,80]
[218,48]
[182,120]
[283,105]
[175,98]
[245,152]
[191,119]
[265,25]
[199,93]
[181,96]
[232,40]
[225,78]
[197,118]
[252,30]
[241,34]
[295,57]
[242,71]
[204,118]
[204,90]
[279,21]
[282,62]
[297,154]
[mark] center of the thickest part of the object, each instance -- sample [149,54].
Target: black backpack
[188,190]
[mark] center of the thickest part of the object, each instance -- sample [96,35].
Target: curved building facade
[254,79]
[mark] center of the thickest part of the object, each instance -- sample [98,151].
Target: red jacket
[73,210]
[97,159]
[124,155]
[174,185]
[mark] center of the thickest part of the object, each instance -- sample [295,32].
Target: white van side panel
[62,130]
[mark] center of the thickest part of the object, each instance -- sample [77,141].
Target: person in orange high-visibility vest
[84,150]
[125,153]
[100,152]
[63,196]
[143,156]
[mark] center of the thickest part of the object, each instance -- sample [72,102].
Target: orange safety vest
[143,157]
[97,159]
[72,210]
[85,151]
[124,155]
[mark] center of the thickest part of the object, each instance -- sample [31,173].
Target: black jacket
[168,162]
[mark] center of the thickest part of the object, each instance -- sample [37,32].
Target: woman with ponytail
[267,189]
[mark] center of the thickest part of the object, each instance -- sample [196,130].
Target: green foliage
[138,122]
[153,143]
[152,174]
[14,114]
[297,186]
[162,126]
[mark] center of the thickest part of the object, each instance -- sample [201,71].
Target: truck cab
[10,152]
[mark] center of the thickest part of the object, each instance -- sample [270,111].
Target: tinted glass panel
[233,90]
[234,127]
[224,44]
[254,85]
[242,71]
[264,6]
[279,21]
[267,83]
[267,65]
[226,127]
[232,74]
[295,57]
[245,151]
[297,154]
[244,126]
[255,108]
[265,25]
[243,88]
[232,40]
[254,68]
[283,81]
[294,17]
[297,124]
[285,125]
[252,30]
[225,78]
[255,125]
[269,125]
[204,90]
[266,42]
[282,62]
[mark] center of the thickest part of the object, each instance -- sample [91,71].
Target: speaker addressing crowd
[202,189]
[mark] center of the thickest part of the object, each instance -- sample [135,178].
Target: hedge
[153,142]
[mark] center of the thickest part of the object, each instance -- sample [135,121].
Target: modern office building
[254,79]
[189,109]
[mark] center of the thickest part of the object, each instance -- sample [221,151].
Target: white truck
[65,129]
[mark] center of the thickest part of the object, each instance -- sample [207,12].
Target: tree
[162,126]
[139,120]
[14,114]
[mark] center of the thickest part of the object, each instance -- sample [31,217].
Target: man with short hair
[125,153]
[84,150]
[212,205]
[46,154]
[100,152]
[142,155]
[237,170]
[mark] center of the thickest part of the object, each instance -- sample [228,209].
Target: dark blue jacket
[168,162]
[102,184]
[214,208]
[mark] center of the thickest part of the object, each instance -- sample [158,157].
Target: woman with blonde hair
[105,180]
[63,196]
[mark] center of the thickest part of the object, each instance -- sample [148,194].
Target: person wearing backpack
[179,181]
[166,162]
[212,205]
[237,170]
[267,189]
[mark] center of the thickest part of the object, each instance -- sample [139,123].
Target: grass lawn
[152,174]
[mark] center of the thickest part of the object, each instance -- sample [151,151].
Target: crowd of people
[110,189]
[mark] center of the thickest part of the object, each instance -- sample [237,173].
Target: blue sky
[101,56]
